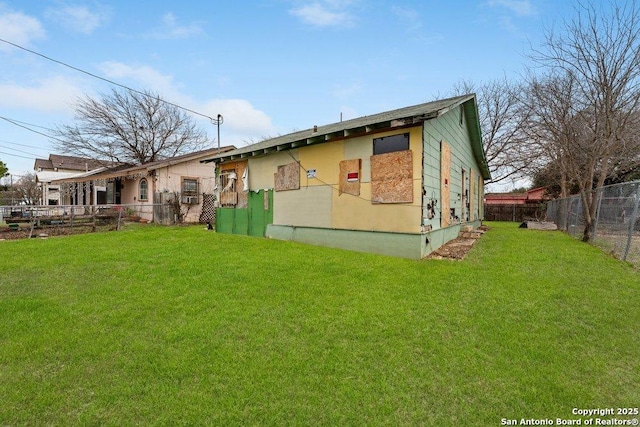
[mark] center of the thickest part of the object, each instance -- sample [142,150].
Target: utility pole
[218,122]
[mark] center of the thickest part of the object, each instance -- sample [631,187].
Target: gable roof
[394,119]
[129,170]
[58,161]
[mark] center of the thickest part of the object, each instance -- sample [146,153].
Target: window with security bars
[189,191]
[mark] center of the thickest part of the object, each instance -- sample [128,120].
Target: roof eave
[472,116]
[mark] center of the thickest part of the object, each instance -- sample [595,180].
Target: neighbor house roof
[530,196]
[129,170]
[403,117]
[48,175]
[57,161]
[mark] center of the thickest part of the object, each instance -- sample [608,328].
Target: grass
[156,325]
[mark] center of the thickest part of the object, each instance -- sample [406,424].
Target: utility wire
[22,145]
[16,155]
[19,151]
[34,125]
[14,122]
[336,188]
[102,78]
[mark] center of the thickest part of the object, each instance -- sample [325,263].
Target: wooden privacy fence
[515,213]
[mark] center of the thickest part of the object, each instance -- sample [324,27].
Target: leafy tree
[4,170]
[129,127]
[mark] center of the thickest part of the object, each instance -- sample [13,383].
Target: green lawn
[156,325]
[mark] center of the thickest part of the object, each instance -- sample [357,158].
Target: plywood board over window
[392,177]
[350,177]
[287,177]
[445,184]
[472,196]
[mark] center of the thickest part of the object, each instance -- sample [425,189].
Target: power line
[15,122]
[102,78]
[16,155]
[22,145]
[19,151]
[34,125]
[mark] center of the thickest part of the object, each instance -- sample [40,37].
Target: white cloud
[143,75]
[325,13]
[172,29]
[409,17]
[242,121]
[519,7]
[18,28]
[78,19]
[52,95]
[412,22]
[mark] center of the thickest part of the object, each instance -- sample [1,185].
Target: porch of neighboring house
[129,196]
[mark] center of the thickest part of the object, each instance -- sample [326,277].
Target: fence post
[599,192]
[632,224]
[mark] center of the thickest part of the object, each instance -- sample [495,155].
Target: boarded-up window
[445,183]
[392,177]
[287,177]
[350,177]
[480,197]
[473,197]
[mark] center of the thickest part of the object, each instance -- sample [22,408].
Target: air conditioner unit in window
[190,200]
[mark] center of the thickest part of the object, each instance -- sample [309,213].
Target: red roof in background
[534,195]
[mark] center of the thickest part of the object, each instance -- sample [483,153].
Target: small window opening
[389,144]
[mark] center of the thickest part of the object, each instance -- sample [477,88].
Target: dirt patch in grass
[42,232]
[457,249]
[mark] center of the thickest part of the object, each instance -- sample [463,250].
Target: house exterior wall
[318,202]
[261,169]
[466,199]
[169,180]
[319,209]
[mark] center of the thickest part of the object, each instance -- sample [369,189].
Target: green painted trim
[473,119]
[402,245]
[392,244]
[436,238]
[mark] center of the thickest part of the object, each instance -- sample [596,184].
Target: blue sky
[269,67]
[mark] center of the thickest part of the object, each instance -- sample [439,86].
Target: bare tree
[550,133]
[502,116]
[597,59]
[129,127]
[26,190]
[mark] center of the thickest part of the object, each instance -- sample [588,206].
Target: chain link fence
[617,226]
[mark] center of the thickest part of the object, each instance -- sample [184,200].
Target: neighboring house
[181,181]
[57,167]
[533,196]
[400,183]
